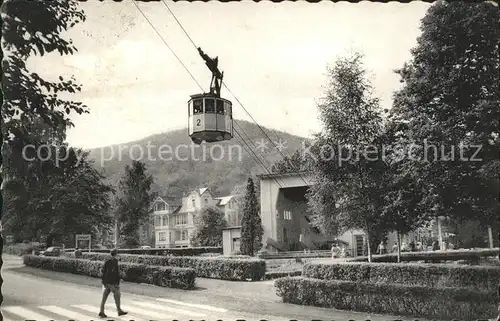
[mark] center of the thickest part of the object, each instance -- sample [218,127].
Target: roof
[169,200]
[203,190]
[225,199]
[184,208]
[277,175]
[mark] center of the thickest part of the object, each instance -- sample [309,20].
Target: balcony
[180,225]
[161,212]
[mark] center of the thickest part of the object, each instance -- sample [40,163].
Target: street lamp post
[116,234]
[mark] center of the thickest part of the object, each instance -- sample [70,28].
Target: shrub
[209,267]
[236,256]
[210,255]
[437,256]
[191,251]
[484,278]
[395,299]
[294,254]
[281,274]
[173,277]
[21,249]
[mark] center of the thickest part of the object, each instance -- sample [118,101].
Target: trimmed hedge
[483,278]
[190,251]
[433,256]
[21,249]
[173,277]
[395,299]
[295,254]
[281,274]
[208,267]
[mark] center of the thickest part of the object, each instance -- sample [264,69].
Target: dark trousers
[106,290]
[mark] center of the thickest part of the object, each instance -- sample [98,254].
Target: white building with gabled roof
[174,219]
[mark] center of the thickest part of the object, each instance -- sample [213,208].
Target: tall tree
[251,224]
[209,223]
[34,27]
[133,202]
[449,102]
[348,164]
[64,194]
[404,205]
[293,164]
[239,192]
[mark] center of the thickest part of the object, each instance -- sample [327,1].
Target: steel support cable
[180,61]
[225,85]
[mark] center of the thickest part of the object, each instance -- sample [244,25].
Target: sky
[274,57]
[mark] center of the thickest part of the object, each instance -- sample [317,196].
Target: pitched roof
[203,190]
[225,199]
[169,200]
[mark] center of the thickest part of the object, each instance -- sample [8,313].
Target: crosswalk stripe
[152,314]
[25,313]
[169,309]
[90,308]
[67,313]
[192,305]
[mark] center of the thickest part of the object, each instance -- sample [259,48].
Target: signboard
[81,239]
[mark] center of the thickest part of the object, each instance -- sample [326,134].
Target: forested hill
[177,166]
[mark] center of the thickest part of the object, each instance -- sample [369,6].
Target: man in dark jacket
[111,283]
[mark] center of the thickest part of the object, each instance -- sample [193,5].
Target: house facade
[173,221]
[286,217]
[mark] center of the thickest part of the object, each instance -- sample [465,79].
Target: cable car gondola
[210,116]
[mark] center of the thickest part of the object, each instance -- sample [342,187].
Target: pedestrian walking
[335,251]
[381,248]
[111,283]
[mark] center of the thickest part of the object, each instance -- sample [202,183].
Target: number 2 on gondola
[198,122]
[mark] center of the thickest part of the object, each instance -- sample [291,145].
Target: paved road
[33,294]
[29,297]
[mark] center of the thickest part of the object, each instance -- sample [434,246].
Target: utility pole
[490,236]
[116,233]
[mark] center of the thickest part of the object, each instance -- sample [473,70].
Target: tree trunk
[117,231]
[1,212]
[369,247]
[490,236]
[440,234]
[398,236]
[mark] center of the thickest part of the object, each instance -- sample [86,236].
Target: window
[206,201]
[287,215]
[181,219]
[197,107]
[184,235]
[162,236]
[236,244]
[227,109]
[220,107]
[285,236]
[157,221]
[209,106]
[193,203]
[160,206]
[165,220]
